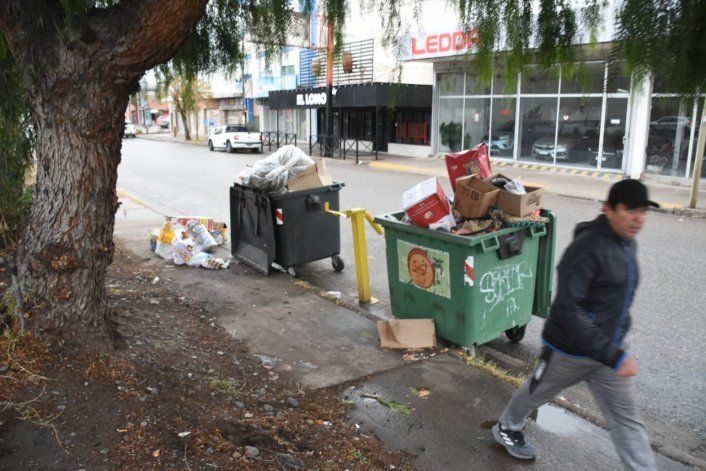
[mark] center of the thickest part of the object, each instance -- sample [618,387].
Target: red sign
[445,43]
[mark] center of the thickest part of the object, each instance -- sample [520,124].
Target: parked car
[231,137]
[129,130]
[164,124]
[668,125]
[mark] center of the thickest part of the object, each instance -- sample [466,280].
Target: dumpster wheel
[516,334]
[337,263]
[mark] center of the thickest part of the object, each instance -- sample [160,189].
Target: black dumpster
[290,229]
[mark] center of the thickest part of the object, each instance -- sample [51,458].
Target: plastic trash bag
[182,249]
[271,173]
[515,186]
[206,260]
[203,240]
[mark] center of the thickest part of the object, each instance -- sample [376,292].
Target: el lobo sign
[443,44]
[311,99]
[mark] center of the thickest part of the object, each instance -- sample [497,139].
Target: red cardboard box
[426,203]
[474,161]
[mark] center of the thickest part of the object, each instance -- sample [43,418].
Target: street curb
[172,140]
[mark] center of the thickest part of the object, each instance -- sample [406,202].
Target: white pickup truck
[233,136]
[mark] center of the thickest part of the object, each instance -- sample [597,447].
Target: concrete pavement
[319,343]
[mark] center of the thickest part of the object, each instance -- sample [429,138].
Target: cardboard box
[426,203]
[474,197]
[520,205]
[315,176]
[407,333]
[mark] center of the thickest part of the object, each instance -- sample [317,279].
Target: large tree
[81,60]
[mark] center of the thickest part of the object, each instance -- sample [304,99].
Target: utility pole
[329,89]
[698,162]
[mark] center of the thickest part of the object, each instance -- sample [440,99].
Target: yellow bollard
[360,248]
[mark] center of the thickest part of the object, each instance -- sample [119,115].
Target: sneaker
[514,442]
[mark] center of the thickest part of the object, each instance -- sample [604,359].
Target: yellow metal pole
[360,251]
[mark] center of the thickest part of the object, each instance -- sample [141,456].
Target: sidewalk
[585,184]
[577,183]
[321,344]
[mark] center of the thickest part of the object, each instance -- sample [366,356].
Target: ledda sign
[443,44]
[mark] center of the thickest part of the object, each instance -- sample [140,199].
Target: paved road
[666,339]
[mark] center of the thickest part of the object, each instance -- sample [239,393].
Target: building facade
[597,118]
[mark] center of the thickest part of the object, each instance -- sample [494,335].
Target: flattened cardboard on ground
[407,333]
[474,197]
[315,176]
[519,205]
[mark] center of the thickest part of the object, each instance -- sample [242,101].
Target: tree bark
[80,80]
[185,122]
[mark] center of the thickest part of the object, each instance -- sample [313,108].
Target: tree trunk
[69,243]
[80,70]
[185,121]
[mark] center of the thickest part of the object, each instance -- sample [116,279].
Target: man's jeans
[614,395]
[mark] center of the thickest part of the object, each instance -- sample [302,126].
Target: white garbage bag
[271,173]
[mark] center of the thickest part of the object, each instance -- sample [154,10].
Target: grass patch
[489,366]
[225,385]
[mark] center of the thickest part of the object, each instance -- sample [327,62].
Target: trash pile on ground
[483,202]
[188,240]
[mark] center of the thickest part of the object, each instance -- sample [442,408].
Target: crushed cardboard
[407,333]
[519,205]
[474,197]
[315,176]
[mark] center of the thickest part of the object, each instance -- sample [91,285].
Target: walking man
[583,335]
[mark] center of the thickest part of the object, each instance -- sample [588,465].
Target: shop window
[499,85]
[536,80]
[537,129]
[450,118]
[579,131]
[475,126]
[587,78]
[502,137]
[475,86]
[618,79]
[614,133]
[669,136]
[450,84]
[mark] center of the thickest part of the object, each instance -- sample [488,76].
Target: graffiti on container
[499,284]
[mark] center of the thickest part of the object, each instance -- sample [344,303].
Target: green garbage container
[474,287]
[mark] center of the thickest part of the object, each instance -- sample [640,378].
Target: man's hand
[628,368]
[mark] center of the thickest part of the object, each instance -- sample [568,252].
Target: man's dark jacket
[598,275]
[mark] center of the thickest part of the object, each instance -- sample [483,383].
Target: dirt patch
[182,394]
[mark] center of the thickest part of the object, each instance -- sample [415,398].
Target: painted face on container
[625,221]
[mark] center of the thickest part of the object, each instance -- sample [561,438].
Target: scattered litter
[422,393]
[396,406]
[184,434]
[416,354]
[157,452]
[156,280]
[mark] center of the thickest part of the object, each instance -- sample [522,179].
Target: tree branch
[142,34]
[22,20]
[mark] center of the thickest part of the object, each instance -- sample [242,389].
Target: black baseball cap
[631,193]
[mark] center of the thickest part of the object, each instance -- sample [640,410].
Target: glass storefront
[670,135]
[576,119]
[550,117]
